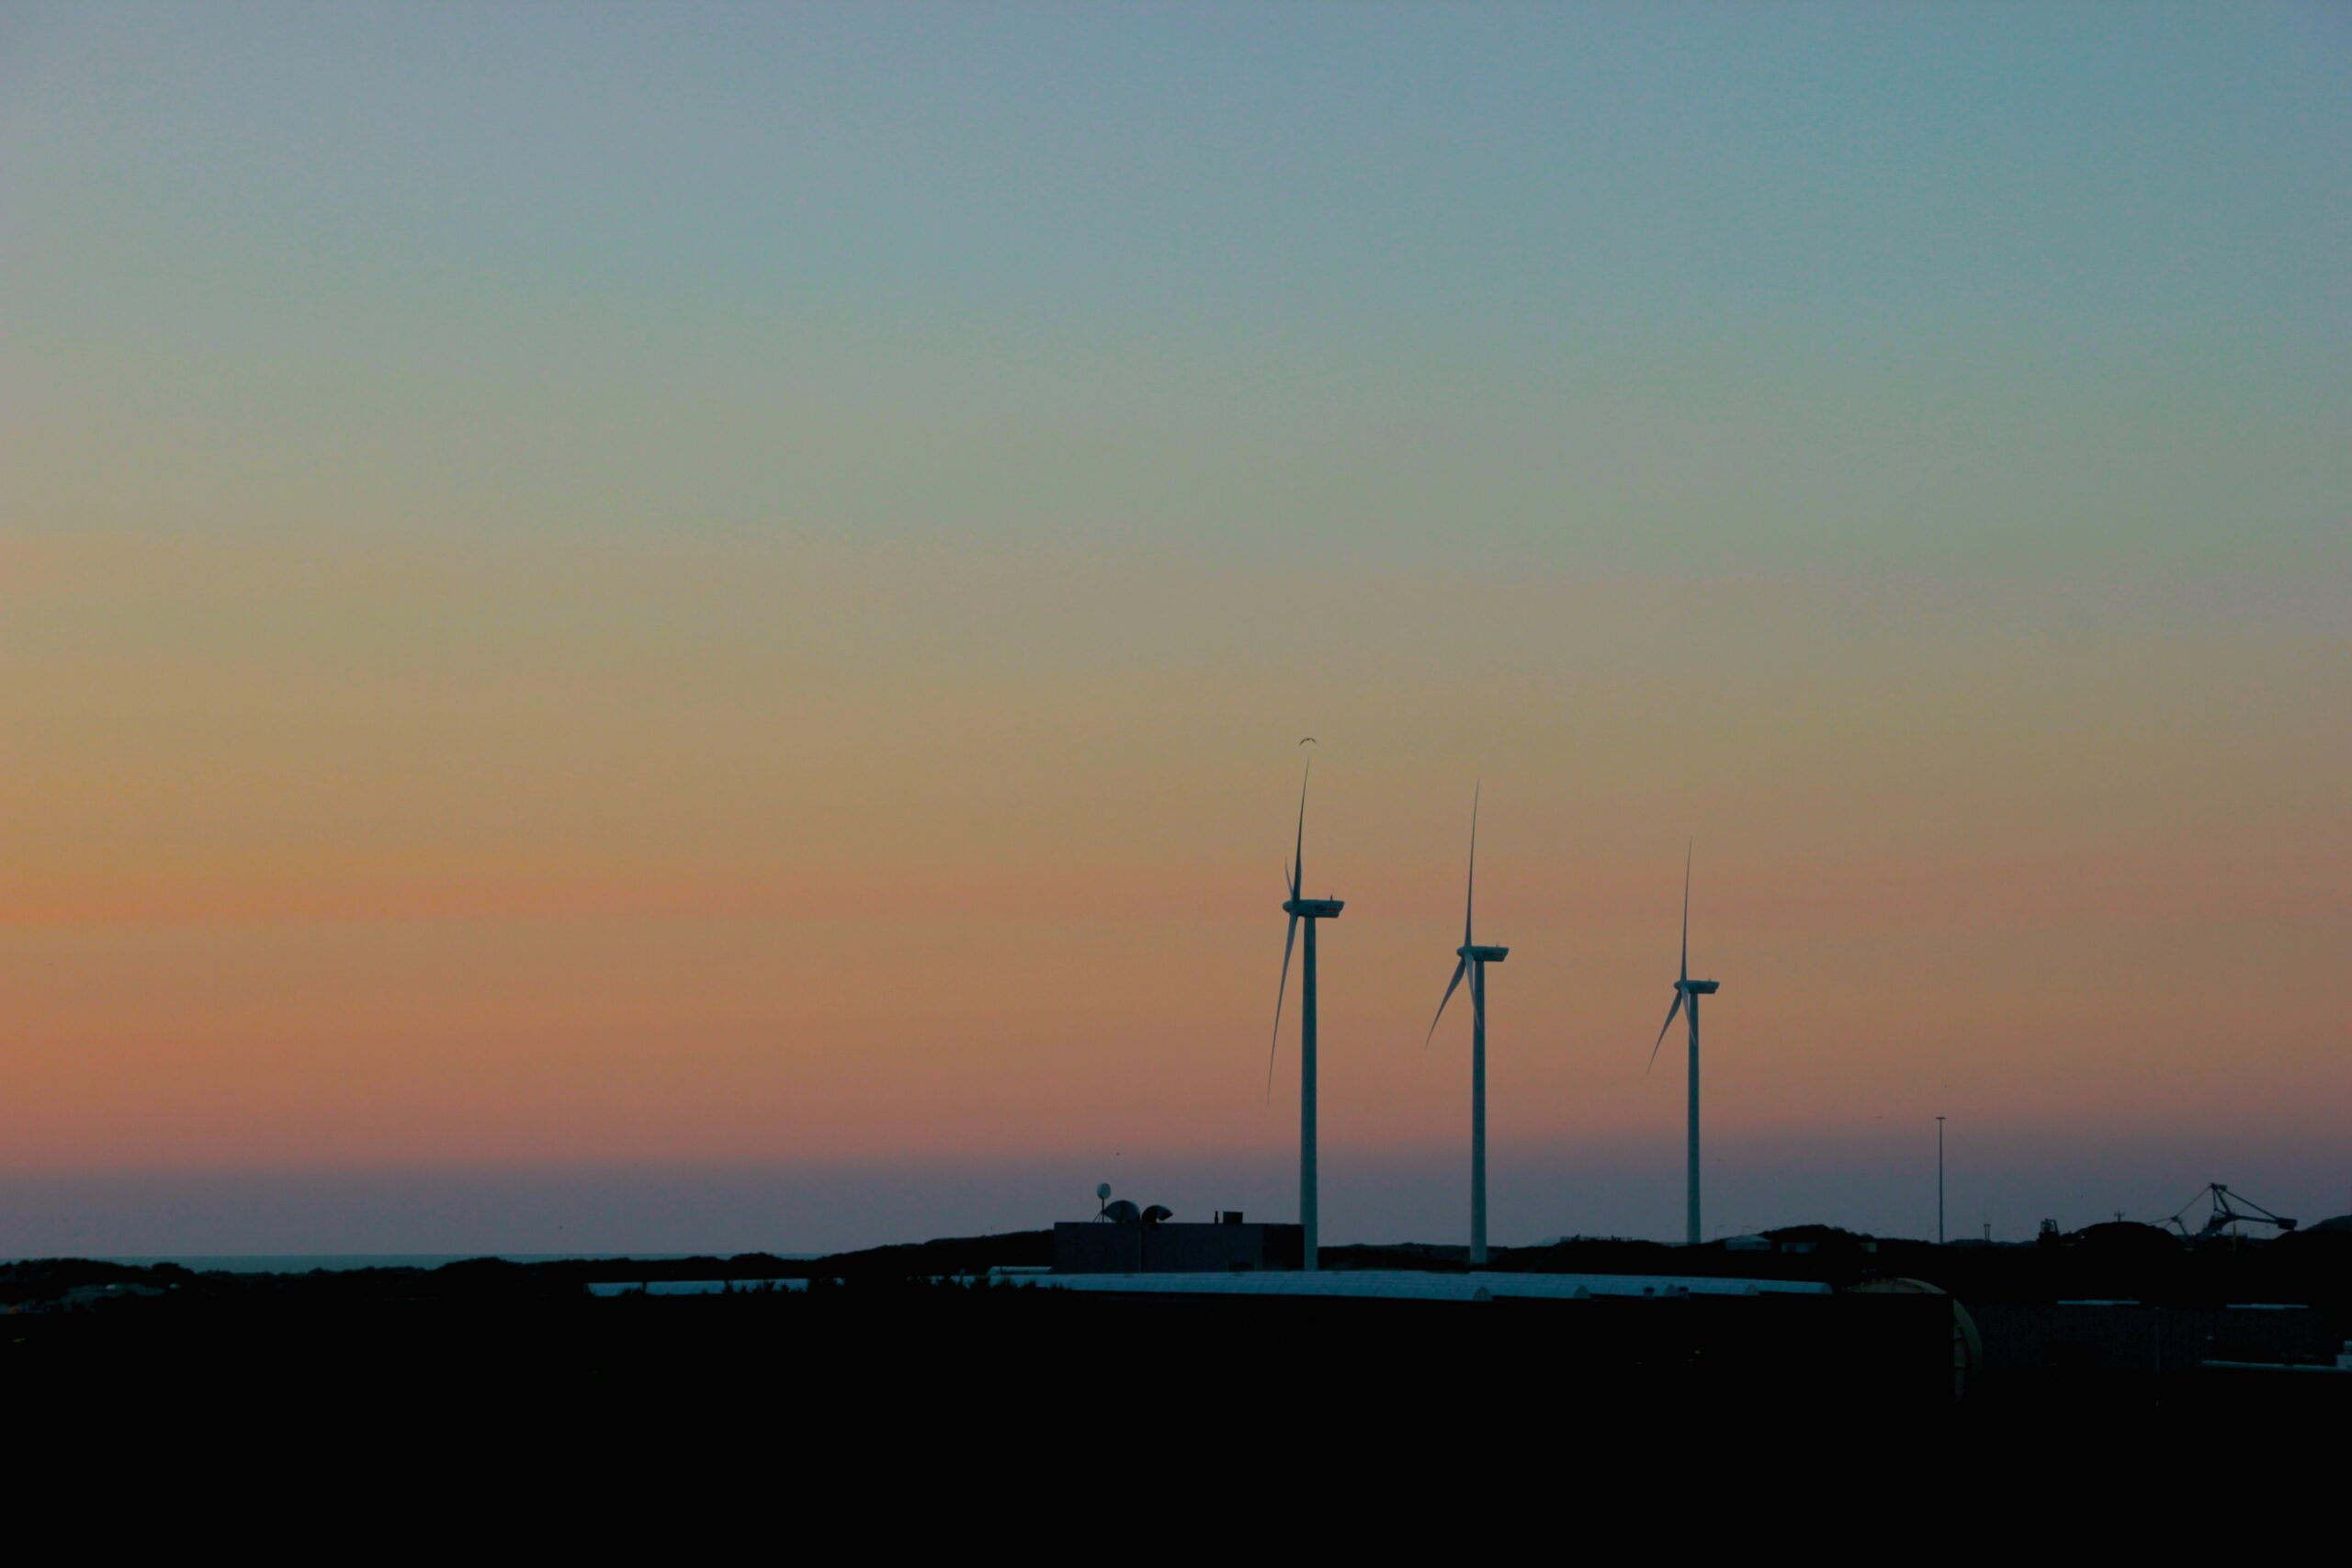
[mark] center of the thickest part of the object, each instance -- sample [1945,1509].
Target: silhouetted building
[1231,1245]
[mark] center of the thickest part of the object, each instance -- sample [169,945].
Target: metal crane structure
[2227,1214]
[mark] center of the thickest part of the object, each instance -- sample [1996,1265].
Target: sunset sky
[674,627]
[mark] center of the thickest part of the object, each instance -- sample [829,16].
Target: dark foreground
[2117,1328]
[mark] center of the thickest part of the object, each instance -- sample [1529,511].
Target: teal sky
[1902,286]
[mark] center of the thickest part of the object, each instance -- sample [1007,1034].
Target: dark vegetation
[899,1328]
[2111,1262]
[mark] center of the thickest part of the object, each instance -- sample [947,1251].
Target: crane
[2227,1215]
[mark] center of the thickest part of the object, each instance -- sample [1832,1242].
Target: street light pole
[1939,1181]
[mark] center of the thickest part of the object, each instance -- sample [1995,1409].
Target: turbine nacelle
[1301,908]
[1470,961]
[1687,993]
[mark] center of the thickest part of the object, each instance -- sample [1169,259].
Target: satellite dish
[1122,1213]
[1155,1213]
[1103,1192]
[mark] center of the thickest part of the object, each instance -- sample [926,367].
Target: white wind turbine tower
[1309,911]
[1472,961]
[1687,993]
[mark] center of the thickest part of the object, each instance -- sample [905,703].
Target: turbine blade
[1470,899]
[1686,912]
[1662,1028]
[1460,965]
[1298,850]
[1279,992]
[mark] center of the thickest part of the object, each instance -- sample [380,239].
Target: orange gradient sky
[439,855]
[509,672]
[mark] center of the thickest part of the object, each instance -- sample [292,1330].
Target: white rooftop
[1412,1285]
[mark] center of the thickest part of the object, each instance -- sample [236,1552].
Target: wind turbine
[1687,992]
[1309,911]
[1473,962]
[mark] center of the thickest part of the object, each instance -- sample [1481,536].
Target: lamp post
[1939,1181]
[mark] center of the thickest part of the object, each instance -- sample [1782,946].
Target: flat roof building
[1232,1245]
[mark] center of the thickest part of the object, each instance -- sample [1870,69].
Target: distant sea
[304,1262]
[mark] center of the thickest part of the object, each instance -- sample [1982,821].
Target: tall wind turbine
[1309,911]
[1472,961]
[1687,993]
